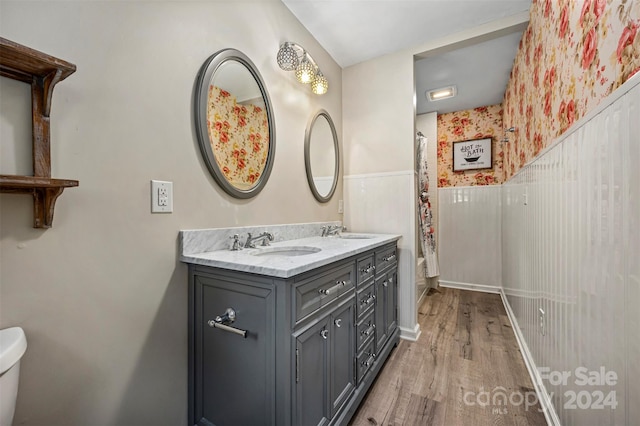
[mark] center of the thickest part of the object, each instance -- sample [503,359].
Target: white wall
[101,295]
[379,140]
[378,115]
[470,243]
[571,245]
[378,202]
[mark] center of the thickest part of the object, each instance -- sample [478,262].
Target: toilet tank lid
[13,344]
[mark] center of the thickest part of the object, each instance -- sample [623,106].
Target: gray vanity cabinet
[233,377]
[342,378]
[391,301]
[386,294]
[302,350]
[386,303]
[381,329]
[324,366]
[312,364]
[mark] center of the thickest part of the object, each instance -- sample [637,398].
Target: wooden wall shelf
[42,72]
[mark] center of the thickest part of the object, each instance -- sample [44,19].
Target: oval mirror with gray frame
[321,156]
[234,123]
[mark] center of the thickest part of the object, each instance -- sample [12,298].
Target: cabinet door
[312,362]
[381,309]
[390,290]
[342,342]
[227,365]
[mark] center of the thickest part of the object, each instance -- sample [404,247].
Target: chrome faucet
[235,245]
[332,230]
[251,241]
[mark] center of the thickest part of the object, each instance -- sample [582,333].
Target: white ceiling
[480,73]
[354,31]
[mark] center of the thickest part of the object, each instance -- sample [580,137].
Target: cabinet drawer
[386,257]
[365,330]
[365,299]
[365,361]
[365,268]
[319,290]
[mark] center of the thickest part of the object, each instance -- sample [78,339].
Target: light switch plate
[161,196]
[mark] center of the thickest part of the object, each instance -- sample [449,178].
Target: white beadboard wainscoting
[571,247]
[386,203]
[470,237]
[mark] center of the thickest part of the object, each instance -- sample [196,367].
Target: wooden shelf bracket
[42,72]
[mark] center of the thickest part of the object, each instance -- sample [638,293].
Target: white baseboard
[422,295]
[424,292]
[409,334]
[543,396]
[470,286]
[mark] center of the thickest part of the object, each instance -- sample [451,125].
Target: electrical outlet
[542,321]
[340,206]
[161,196]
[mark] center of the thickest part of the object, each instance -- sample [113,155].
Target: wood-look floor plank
[423,411]
[463,329]
[439,341]
[381,398]
[467,352]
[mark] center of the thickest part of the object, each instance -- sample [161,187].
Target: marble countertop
[332,249]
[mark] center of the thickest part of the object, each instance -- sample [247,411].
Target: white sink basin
[355,236]
[286,251]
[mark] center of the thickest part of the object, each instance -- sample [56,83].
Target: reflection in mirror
[234,123]
[322,156]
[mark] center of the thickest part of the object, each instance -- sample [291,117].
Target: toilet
[13,344]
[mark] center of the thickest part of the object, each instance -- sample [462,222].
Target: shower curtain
[427,233]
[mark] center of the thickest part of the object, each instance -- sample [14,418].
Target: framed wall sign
[472,155]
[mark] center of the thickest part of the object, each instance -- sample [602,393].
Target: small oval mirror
[321,156]
[234,123]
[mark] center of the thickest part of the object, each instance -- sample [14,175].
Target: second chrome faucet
[265,237]
[332,230]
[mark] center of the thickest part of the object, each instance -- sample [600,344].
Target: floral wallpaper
[477,123]
[239,136]
[572,55]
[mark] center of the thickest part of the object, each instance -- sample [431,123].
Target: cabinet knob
[324,334]
[338,322]
[227,318]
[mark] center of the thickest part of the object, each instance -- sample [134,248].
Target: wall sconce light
[287,57]
[293,57]
[320,85]
[305,71]
[506,137]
